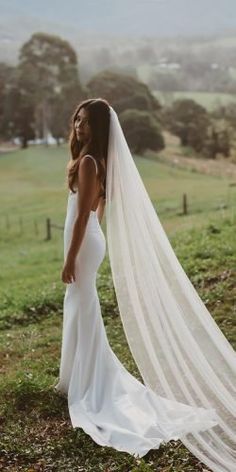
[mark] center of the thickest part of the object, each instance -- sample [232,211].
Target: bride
[187,365]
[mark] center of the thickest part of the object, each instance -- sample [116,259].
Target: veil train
[179,349]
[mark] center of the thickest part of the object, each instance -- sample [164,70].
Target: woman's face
[82,128]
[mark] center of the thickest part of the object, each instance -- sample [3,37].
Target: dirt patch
[222,276]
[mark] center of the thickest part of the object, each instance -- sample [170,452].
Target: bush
[189,121]
[141,130]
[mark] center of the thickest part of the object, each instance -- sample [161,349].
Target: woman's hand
[68,272]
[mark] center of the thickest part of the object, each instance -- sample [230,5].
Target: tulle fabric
[180,351]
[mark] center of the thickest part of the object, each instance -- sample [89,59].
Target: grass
[32,189]
[209,100]
[36,432]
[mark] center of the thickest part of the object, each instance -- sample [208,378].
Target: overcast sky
[129,17]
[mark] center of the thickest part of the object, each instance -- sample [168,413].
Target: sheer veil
[180,351]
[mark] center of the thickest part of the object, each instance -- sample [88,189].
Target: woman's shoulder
[84,160]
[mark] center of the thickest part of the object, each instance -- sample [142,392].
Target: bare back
[99,187]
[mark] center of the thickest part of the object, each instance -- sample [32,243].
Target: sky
[128,17]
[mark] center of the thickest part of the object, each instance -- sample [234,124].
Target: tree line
[38,97]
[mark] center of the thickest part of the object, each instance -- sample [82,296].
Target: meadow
[209,100]
[36,434]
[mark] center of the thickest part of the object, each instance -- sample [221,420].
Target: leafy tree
[51,64]
[141,130]
[138,109]
[123,91]
[224,142]
[228,113]
[217,142]
[42,91]
[58,123]
[6,73]
[17,109]
[189,121]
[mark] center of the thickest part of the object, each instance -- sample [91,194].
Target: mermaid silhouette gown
[104,399]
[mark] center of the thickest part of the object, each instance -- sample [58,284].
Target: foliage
[217,141]
[205,133]
[122,91]
[138,109]
[6,73]
[189,121]
[141,130]
[44,89]
[18,105]
[226,112]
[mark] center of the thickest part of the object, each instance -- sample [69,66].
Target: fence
[186,206]
[49,226]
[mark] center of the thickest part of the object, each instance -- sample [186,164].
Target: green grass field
[207,99]
[36,433]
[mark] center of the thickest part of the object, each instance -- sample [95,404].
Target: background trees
[141,130]
[43,91]
[206,133]
[189,121]
[38,96]
[123,91]
[138,109]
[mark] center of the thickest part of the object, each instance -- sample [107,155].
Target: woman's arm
[87,192]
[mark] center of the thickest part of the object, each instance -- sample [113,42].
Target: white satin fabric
[104,399]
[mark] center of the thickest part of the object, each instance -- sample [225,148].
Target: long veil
[180,351]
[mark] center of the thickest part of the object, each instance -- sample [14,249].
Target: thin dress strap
[88,155]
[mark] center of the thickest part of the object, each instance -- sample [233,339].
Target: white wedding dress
[104,399]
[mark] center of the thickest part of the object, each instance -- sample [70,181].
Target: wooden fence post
[185,204]
[48,229]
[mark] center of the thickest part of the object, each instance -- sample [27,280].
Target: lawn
[209,100]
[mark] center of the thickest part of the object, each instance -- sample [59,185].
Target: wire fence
[46,227]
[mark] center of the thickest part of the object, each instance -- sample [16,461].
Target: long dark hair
[99,121]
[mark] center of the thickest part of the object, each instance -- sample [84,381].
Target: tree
[224,142]
[17,106]
[189,121]
[58,124]
[51,64]
[141,130]
[227,112]
[6,74]
[217,142]
[137,108]
[123,91]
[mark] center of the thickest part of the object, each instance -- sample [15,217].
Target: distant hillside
[136,36]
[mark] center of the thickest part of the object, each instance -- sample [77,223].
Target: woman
[87,138]
[170,335]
